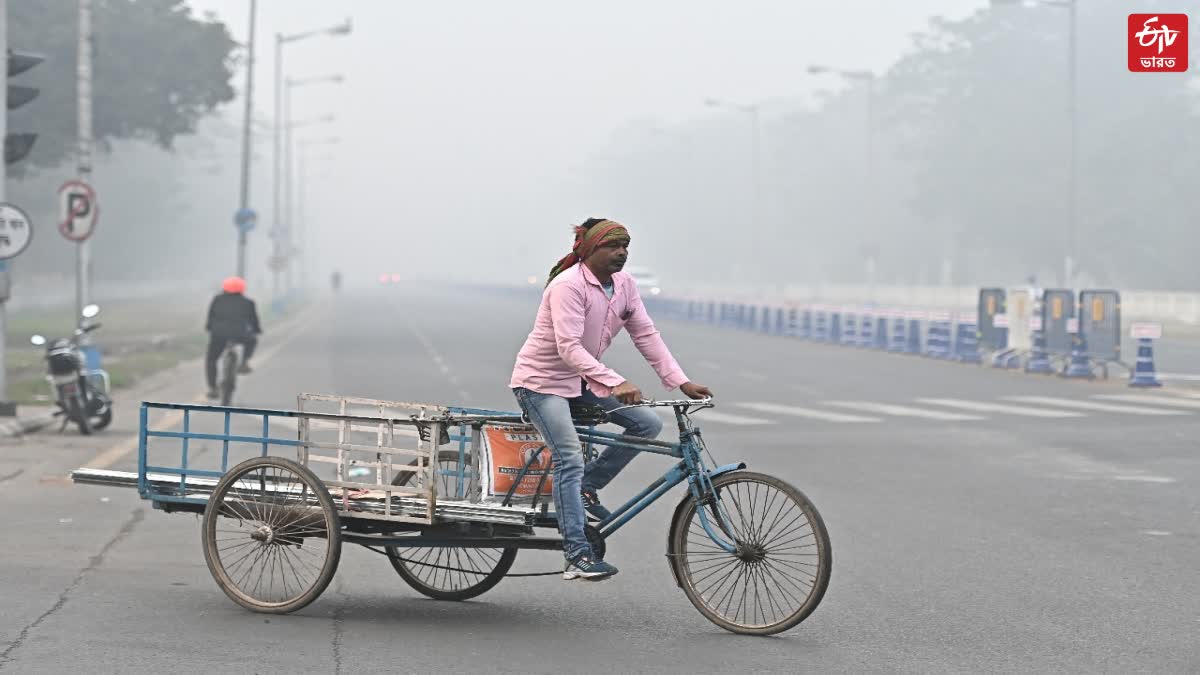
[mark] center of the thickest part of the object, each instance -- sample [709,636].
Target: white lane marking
[1092,405]
[810,413]
[1169,401]
[981,406]
[1145,479]
[703,416]
[1158,533]
[903,411]
[1186,377]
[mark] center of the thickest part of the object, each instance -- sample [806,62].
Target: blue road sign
[245,219]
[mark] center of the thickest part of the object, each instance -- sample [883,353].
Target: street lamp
[290,84]
[1072,118]
[280,40]
[247,123]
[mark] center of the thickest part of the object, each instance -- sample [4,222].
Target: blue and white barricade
[937,338]
[881,332]
[820,328]
[913,344]
[805,330]
[966,339]
[849,328]
[866,330]
[898,341]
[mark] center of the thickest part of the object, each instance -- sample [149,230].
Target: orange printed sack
[506,449]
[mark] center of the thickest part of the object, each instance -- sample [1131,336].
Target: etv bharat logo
[1158,43]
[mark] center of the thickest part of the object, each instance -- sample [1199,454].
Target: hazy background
[472,134]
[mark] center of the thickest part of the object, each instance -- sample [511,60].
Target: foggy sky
[463,124]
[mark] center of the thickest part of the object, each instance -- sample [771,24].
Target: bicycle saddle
[588,414]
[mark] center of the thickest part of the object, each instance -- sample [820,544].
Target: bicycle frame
[692,468]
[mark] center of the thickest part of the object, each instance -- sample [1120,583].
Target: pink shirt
[576,324]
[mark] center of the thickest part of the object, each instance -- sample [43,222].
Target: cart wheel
[272,536]
[781,569]
[448,573]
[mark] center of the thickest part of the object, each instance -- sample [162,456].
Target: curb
[26,425]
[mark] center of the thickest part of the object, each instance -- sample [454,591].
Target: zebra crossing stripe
[810,413]
[981,406]
[1092,405]
[903,411]
[1169,401]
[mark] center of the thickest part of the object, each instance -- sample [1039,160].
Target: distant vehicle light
[532,280]
[395,278]
[655,291]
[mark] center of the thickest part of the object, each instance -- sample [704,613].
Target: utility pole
[83,260]
[247,146]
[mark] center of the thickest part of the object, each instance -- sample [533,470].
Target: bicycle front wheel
[780,570]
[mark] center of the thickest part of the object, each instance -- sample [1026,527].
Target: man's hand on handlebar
[628,393]
[695,391]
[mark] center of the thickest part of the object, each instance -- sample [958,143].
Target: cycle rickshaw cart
[280,491]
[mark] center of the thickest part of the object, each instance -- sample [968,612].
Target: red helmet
[234,285]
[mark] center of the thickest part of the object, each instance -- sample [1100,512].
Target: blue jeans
[551,416]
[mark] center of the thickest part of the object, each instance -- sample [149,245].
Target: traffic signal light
[17,146]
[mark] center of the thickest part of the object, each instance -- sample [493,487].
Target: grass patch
[138,338]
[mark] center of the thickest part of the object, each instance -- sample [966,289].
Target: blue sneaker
[591,504]
[586,567]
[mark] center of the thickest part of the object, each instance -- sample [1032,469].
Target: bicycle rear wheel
[449,573]
[781,569]
[229,365]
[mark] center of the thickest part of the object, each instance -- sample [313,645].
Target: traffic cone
[1080,366]
[898,340]
[1039,360]
[1143,371]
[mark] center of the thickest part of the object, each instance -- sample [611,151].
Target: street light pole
[276,224]
[278,231]
[1073,210]
[289,169]
[247,123]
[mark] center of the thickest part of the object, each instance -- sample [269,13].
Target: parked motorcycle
[82,393]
